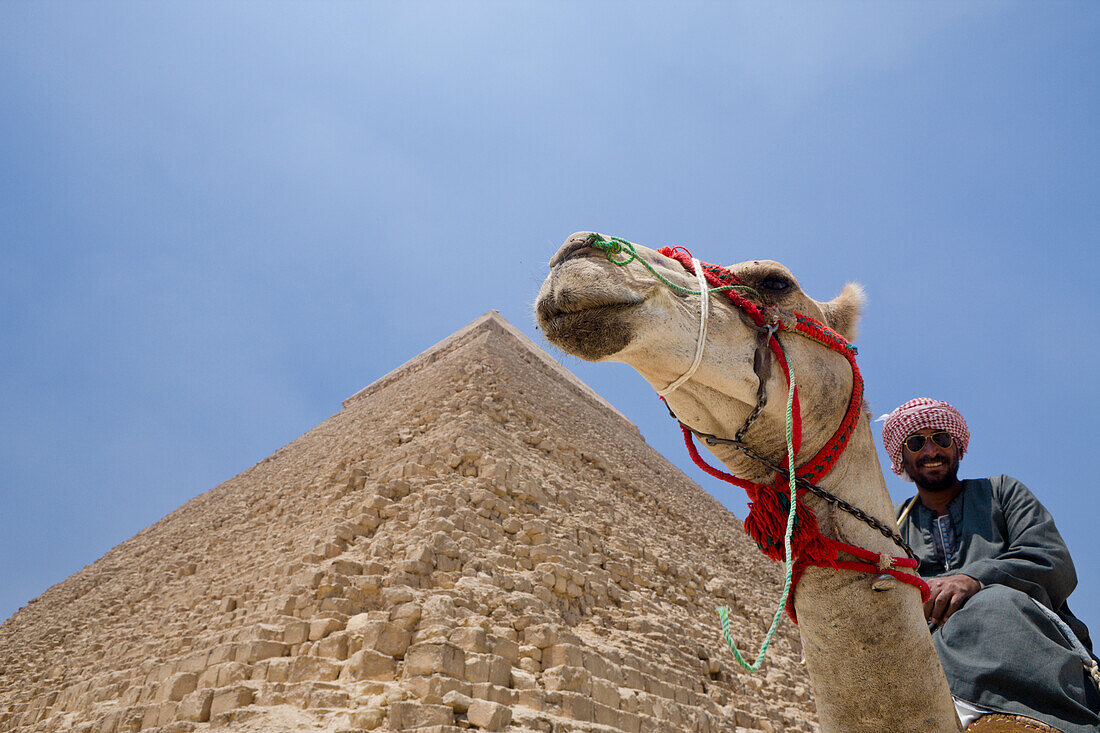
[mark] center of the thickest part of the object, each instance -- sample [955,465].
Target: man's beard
[941,485]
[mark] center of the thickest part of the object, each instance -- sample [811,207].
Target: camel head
[600,311]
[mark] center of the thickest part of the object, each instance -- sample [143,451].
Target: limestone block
[505,648]
[167,713]
[177,686]
[577,706]
[195,662]
[357,478]
[598,665]
[604,715]
[385,637]
[319,628]
[377,503]
[223,653]
[161,672]
[407,615]
[154,714]
[230,698]
[500,671]
[406,715]
[232,672]
[367,664]
[397,596]
[605,693]
[264,632]
[459,702]
[358,622]
[429,658]
[304,669]
[254,651]
[341,605]
[272,670]
[564,677]
[368,521]
[208,677]
[633,678]
[477,668]
[540,636]
[493,693]
[567,654]
[333,646]
[489,715]
[522,680]
[321,697]
[368,719]
[471,639]
[296,632]
[630,722]
[433,689]
[535,699]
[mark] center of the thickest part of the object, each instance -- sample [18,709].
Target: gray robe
[1000,650]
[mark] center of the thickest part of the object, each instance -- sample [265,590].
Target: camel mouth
[554,308]
[592,329]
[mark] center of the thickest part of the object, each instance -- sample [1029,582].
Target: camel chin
[592,334]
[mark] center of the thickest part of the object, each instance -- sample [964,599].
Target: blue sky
[221,219]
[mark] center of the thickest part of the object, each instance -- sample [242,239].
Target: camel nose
[576,244]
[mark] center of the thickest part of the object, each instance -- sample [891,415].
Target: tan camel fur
[869,654]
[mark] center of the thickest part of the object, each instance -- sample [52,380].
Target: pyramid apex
[490,323]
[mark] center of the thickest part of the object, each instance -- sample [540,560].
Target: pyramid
[476,541]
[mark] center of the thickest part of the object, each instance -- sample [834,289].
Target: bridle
[767,517]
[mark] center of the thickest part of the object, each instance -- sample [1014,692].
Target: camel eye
[775,284]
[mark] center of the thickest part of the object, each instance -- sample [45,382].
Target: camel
[869,654]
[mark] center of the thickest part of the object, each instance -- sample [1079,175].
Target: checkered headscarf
[917,415]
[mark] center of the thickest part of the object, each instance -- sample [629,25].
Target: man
[1000,575]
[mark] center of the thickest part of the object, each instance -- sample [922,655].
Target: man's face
[933,467]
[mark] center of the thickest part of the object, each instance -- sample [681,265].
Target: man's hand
[949,593]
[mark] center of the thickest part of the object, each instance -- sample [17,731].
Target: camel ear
[842,312]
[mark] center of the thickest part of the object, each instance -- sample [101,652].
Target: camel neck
[847,624]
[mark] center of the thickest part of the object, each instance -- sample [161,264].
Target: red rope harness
[769,504]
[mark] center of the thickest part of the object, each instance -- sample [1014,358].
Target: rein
[769,507]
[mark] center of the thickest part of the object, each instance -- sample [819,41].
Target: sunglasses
[941,438]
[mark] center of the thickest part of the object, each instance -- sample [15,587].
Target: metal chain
[814,489]
[761,365]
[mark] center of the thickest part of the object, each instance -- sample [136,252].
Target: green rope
[788,564]
[613,246]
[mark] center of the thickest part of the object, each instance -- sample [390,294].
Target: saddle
[1000,723]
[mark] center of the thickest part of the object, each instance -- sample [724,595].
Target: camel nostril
[577,245]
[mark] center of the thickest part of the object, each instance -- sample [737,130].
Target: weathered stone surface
[414,715]
[434,657]
[476,541]
[488,715]
[196,706]
[178,685]
[367,664]
[385,637]
[230,698]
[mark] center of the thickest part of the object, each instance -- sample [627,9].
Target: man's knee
[997,596]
